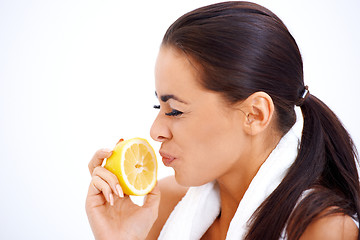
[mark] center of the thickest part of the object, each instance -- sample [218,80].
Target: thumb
[152,199]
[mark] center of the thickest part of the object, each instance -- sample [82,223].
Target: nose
[159,130]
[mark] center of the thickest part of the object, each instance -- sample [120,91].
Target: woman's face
[202,137]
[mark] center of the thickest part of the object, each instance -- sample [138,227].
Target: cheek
[208,150]
[217,136]
[204,162]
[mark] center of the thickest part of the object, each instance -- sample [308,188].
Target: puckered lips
[166,158]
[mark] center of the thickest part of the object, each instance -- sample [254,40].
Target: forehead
[175,72]
[176,75]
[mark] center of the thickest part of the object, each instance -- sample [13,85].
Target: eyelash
[174,112]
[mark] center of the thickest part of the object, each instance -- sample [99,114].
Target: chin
[189,181]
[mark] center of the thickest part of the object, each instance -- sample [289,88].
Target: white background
[76,76]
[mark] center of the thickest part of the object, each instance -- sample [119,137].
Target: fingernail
[111,199]
[119,190]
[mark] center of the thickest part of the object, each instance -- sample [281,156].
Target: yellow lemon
[134,163]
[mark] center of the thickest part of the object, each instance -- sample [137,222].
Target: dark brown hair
[244,48]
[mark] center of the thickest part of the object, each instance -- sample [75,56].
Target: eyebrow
[166,97]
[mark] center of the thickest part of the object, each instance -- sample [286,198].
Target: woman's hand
[113,215]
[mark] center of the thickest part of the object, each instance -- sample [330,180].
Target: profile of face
[202,135]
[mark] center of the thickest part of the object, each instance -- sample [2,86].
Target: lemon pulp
[134,163]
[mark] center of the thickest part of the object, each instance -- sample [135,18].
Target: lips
[166,158]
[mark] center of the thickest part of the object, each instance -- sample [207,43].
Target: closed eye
[174,112]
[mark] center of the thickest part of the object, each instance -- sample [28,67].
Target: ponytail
[325,165]
[325,142]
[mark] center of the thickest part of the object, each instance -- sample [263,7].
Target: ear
[259,110]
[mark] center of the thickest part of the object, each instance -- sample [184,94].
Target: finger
[110,179]
[100,186]
[119,190]
[98,158]
[152,199]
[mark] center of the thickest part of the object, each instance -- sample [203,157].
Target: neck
[234,183]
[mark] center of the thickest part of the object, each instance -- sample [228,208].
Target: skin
[210,140]
[332,227]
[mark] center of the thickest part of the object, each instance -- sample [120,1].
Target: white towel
[195,213]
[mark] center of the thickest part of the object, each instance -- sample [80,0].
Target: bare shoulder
[171,194]
[334,226]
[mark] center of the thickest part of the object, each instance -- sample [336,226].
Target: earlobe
[259,112]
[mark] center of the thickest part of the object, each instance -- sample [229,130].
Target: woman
[228,78]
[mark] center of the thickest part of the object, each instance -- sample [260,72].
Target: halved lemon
[134,163]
